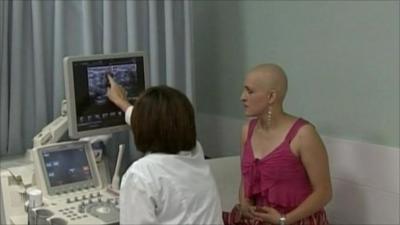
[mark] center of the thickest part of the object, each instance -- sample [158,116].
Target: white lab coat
[170,189]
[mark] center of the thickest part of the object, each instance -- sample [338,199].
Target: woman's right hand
[246,210]
[117,94]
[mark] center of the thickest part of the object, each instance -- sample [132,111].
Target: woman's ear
[271,96]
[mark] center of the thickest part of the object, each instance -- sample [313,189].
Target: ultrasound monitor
[66,166]
[89,110]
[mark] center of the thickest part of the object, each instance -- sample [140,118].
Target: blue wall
[341,58]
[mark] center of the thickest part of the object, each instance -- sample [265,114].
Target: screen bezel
[70,92]
[93,182]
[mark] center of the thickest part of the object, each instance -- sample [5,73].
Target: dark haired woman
[172,183]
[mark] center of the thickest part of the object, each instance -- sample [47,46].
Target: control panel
[86,206]
[73,192]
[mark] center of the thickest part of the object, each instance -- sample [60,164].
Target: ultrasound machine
[64,182]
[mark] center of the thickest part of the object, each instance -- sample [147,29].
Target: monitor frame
[42,177]
[71,95]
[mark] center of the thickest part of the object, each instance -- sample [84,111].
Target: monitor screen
[66,166]
[89,110]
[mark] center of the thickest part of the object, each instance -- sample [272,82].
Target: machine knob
[81,209]
[100,200]
[91,195]
[69,200]
[76,198]
[83,197]
[98,194]
[109,200]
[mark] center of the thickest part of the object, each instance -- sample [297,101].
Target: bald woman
[284,164]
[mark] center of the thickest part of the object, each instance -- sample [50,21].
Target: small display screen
[66,166]
[93,109]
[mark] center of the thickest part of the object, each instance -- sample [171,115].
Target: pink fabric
[234,218]
[279,179]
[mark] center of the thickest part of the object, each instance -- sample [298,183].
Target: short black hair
[163,121]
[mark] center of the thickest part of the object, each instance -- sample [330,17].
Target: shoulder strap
[295,128]
[252,125]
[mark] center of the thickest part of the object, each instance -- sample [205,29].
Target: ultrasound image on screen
[93,109]
[125,75]
[66,166]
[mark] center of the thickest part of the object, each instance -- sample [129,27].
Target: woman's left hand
[267,214]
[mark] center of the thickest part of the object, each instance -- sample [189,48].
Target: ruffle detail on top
[279,179]
[256,181]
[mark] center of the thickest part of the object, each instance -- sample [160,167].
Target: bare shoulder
[245,129]
[309,139]
[308,132]
[243,137]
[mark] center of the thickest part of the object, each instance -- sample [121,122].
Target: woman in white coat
[172,183]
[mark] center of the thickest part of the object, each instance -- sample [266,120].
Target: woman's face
[254,97]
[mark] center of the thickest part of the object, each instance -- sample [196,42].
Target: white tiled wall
[365,177]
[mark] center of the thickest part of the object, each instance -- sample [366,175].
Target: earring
[269,116]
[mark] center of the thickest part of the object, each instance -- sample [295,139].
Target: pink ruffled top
[279,179]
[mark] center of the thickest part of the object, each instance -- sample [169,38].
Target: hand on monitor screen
[96,103]
[117,94]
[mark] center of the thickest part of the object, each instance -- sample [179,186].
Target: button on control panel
[83,207]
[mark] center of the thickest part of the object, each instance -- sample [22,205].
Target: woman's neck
[273,120]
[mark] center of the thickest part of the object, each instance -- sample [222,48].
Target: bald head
[271,77]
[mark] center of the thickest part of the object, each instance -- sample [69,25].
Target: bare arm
[242,141]
[117,95]
[314,157]
[245,203]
